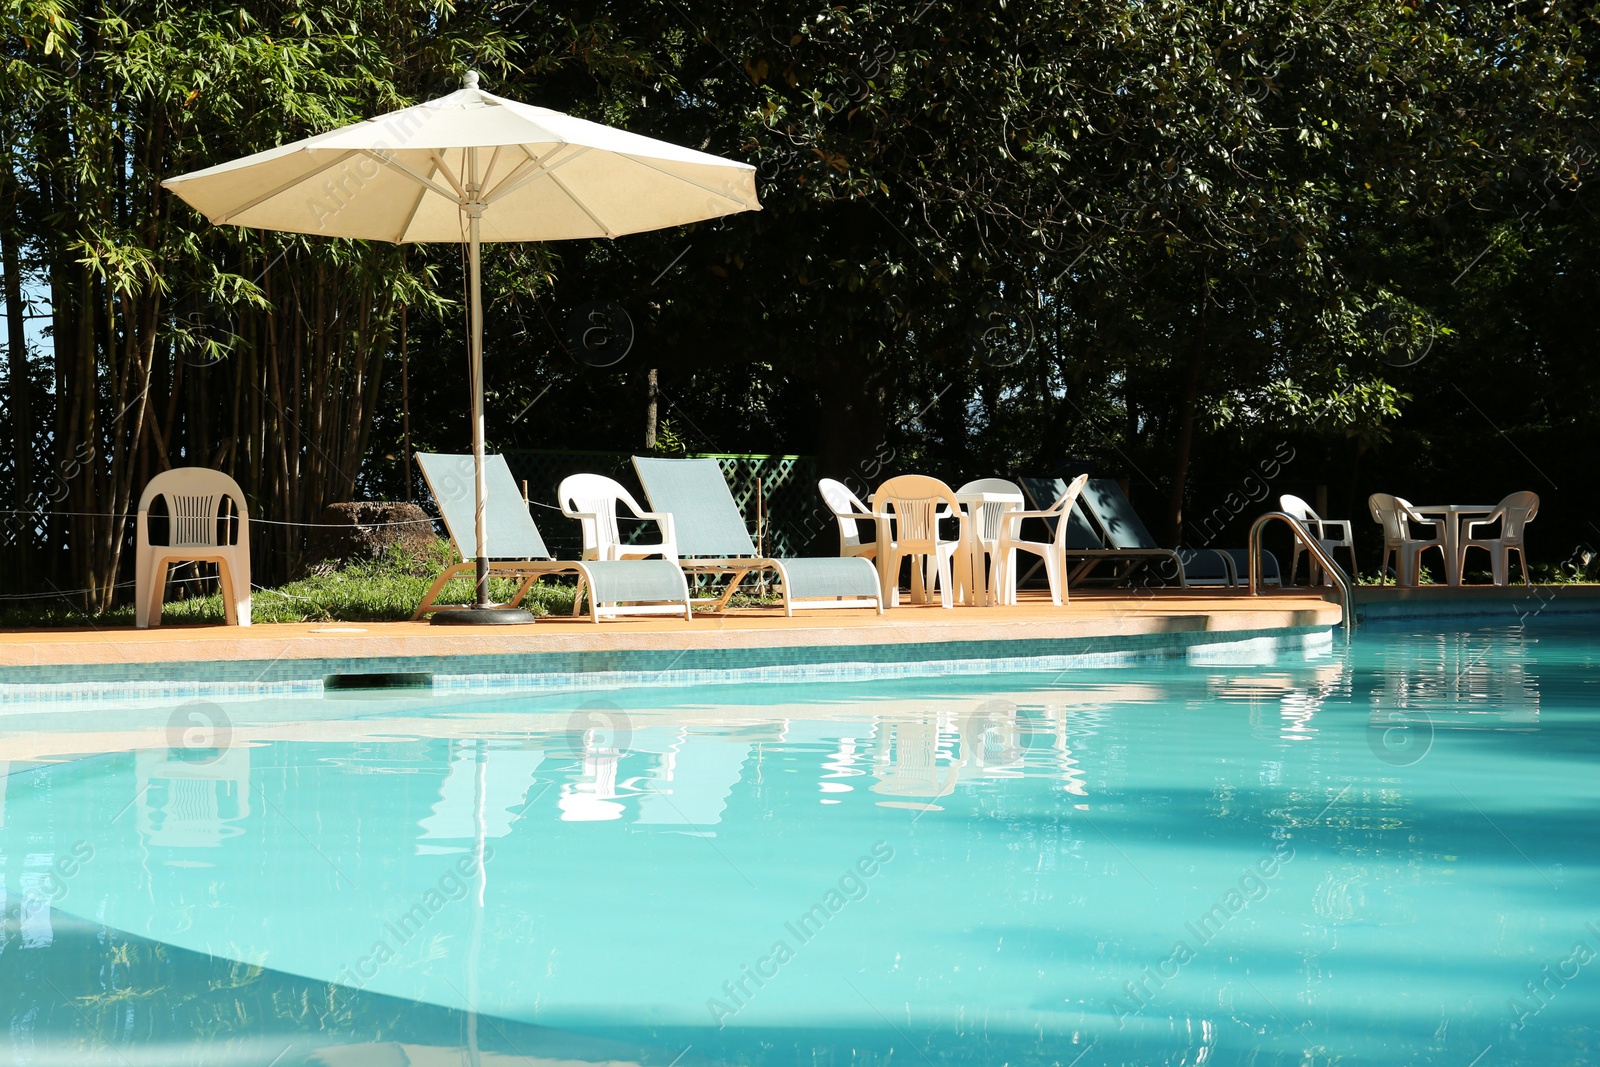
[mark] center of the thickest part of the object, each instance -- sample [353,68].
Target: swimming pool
[1378,855]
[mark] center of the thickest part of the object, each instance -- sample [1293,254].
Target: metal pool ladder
[1347,599]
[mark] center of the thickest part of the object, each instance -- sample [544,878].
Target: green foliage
[1158,236]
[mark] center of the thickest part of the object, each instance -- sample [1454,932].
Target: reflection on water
[1466,681]
[1429,798]
[455,816]
[192,798]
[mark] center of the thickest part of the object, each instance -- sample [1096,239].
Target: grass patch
[382,590]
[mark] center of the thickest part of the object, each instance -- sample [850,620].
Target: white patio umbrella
[467,168]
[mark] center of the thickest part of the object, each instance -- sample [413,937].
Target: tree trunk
[22,429]
[1183,447]
[650,410]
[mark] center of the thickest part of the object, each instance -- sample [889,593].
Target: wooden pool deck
[1090,614]
[1097,627]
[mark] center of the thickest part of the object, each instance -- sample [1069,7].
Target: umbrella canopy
[466,168]
[409,176]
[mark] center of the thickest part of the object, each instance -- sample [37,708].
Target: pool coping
[1511,602]
[1092,631]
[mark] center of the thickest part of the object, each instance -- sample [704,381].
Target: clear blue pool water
[1386,855]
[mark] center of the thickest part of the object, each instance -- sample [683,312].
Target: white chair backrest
[195,499]
[1062,508]
[1390,511]
[988,516]
[592,498]
[1292,505]
[1516,511]
[842,502]
[916,501]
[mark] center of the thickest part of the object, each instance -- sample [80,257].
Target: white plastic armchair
[1053,552]
[1332,533]
[200,529]
[592,499]
[1513,513]
[849,512]
[914,504]
[1396,516]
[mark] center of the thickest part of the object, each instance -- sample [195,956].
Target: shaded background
[1166,241]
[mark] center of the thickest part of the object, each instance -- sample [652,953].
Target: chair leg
[734,581]
[1052,573]
[230,608]
[437,587]
[141,598]
[890,574]
[1502,564]
[947,579]
[156,593]
[522,591]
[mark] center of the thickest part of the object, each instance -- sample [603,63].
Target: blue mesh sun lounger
[712,539]
[1107,530]
[613,587]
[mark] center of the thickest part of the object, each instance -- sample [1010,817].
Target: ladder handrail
[1347,601]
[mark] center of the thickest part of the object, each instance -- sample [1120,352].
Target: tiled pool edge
[609,669]
[1509,603]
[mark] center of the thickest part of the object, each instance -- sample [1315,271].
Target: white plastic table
[1450,516]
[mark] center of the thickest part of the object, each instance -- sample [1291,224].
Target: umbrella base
[482,617]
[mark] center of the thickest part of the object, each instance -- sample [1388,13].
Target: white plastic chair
[1513,513]
[849,512]
[592,499]
[1396,516]
[199,530]
[1333,533]
[989,518]
[1053,552]
[914,504]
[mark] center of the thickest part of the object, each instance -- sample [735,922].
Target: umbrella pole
[481,611]
[475,356]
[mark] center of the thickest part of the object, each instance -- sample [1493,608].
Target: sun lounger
[712,539]
[613,587]
[1106,530]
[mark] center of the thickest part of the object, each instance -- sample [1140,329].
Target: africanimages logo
[852,886]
